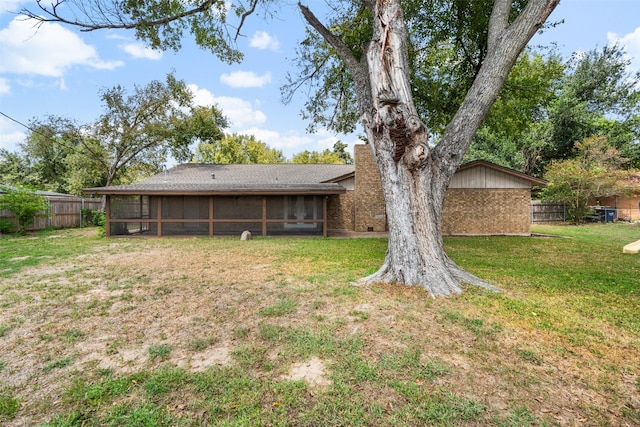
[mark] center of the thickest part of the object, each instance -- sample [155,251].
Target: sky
[58,70]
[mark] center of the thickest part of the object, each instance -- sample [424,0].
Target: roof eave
[246,192]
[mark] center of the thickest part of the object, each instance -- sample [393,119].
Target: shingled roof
[200,178]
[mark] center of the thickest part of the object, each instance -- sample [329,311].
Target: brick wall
[340,209]
[483,211]
[369,207]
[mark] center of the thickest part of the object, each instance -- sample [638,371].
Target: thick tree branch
[342,49]
[358,68]
[499,20]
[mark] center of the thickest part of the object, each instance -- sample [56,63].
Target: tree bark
[414,174]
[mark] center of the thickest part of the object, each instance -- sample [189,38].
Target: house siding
[484,177]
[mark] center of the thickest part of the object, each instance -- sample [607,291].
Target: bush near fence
[62,213]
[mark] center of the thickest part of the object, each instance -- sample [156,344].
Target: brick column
[369,204]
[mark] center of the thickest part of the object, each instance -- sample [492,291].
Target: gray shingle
[279,178]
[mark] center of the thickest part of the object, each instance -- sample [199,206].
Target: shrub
[25,204]
[98,217]
[7,226]
[93,217]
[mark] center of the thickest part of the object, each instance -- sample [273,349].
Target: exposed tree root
[445,281]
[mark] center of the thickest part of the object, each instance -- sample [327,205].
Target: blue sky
[58,70]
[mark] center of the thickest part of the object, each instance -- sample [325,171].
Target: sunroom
[224,200]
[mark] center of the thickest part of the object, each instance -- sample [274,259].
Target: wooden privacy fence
[546,211]
[62,213]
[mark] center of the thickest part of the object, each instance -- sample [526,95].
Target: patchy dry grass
[271,332]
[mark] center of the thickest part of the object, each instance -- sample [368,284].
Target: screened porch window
[185,207]
[131,207]
[245,207]
[302,208]
[216,215]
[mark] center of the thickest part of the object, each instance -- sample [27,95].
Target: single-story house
[305,199]
[626,206]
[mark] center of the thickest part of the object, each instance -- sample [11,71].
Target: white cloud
[291,141]
[139,50]
[47,51]
[115,36]
[239,112]
[245,79]
[263,40]
[631,43]
[62,85]
[12,6]
[10,134]
[201,96]
[5,89]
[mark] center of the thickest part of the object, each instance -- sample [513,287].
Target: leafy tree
[25,204]
[596,97]
[340,148]
[314,157]
[595,171]
[414,173]
[85,166]
[46,147]
[339,155]
[236,149]
[15,169]
[524,100]
[139,130]
[369,43]
[205,125]
[130,141]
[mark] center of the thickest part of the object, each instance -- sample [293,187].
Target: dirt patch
[313,372]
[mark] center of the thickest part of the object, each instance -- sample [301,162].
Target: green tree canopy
[15,169]
[314,157]
[50,140]
[140,128]
[236,149]
[597,96]
[528,92]
[338,155]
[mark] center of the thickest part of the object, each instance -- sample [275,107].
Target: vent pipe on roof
[165,173]
[213,176]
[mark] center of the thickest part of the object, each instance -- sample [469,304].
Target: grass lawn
[203,332]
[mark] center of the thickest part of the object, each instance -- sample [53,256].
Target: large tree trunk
[415,253]
[414,174]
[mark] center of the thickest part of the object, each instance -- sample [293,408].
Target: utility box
[607,214]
